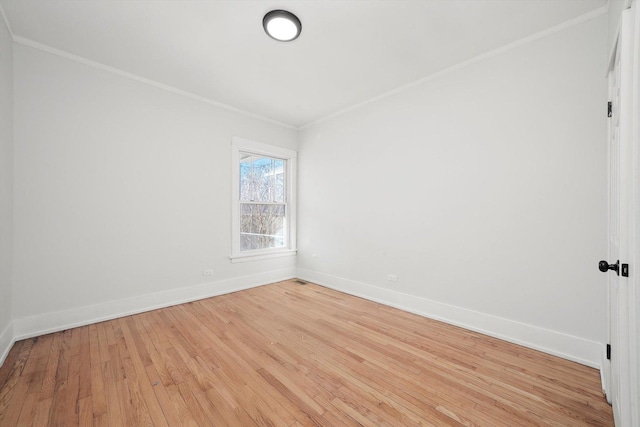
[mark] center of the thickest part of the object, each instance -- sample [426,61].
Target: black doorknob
[604,266]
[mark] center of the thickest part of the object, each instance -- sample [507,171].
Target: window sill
[260,256]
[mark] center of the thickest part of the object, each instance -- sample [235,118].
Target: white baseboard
[556,343]
[569,347]
[6,342]
[41,324]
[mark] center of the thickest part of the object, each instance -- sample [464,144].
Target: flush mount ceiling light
[282,25]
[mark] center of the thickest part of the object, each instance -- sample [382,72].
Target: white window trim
[244,145]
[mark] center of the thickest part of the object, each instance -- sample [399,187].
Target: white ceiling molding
[39,46]
[6,22]
[542,34]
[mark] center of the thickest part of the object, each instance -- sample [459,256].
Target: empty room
[319,213]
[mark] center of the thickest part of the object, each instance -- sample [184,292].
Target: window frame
[241,145]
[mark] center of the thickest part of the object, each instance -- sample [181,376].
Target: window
[263,203]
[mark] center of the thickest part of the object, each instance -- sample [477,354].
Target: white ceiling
[349,50]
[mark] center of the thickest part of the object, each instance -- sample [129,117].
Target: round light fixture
[282,25]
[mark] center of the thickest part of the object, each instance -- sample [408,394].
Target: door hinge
[608,351]
[609,109]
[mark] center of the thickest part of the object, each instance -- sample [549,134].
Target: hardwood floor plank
[38,362]
[143,399]
[188,418]
[15,386]
[28,410]
[9,363]
[290,355]
[43,413]
[85,412]
[172,417]
[113,412]
[98,400]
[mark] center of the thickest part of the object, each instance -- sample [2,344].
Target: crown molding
[113,70]
[526,40]
[6,22]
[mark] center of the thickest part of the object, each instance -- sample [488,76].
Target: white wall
[122,195]
[6,186]
[483,190]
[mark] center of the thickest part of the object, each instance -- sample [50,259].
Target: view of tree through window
[262,202]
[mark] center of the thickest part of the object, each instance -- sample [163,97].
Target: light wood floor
[289,355]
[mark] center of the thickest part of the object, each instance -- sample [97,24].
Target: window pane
[261,226]
[261,178]
[279,172]
[246,189]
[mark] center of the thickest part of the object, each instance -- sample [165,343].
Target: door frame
[634,244]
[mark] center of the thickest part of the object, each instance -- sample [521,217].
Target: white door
[613,389]
[624,224]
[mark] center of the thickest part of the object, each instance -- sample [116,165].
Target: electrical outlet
[392,278]
[207,272]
